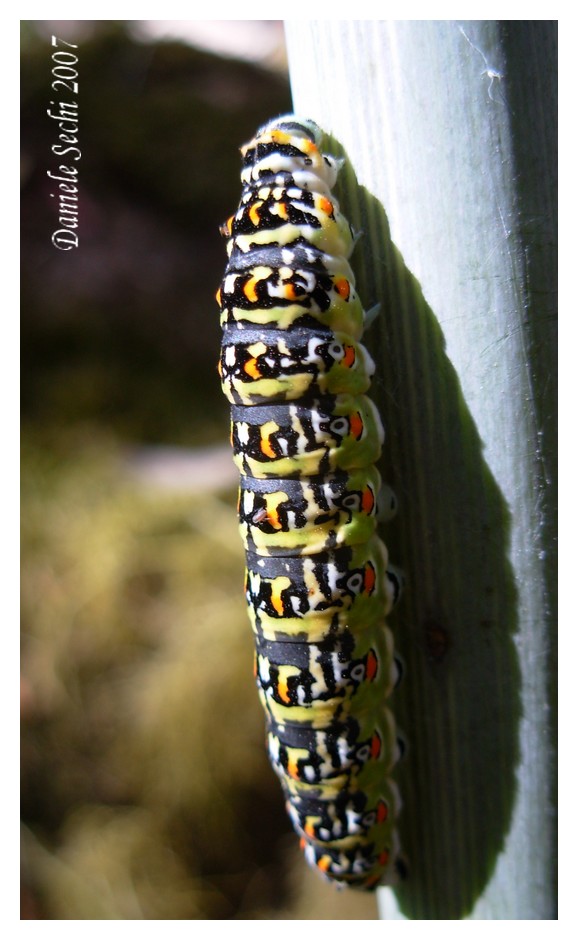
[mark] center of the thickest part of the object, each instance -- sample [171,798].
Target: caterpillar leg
[371,315]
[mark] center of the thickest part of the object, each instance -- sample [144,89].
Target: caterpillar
[305,439]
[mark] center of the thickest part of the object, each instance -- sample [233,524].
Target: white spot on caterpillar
[308,278]
[317,419]
[242,432]
[312,346]
[314,592]
[264,669]
[274,748]
[302,443]
[332,574]
[248,501]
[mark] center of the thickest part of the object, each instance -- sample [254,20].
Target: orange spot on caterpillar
[349,356]
[343,287]
[273,518]
[254,213]
[252,369]
[250,289]
[282,211]
[283,691]
[375,748]
[277,602]
[356,425]
[369,578]
[290,292]
[293,771]
[266,447]
[367,500]
[277,136]
[371,666]
[382,811]
[218,296]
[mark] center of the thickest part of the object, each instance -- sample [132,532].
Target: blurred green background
[146,791]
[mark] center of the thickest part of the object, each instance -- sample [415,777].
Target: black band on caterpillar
[305,439]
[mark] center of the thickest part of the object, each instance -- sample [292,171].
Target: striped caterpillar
[305,440]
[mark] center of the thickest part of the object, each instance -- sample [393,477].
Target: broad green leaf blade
[450,132]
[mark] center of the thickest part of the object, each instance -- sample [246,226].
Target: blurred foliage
[125,328]
[146,791]
[139,708]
